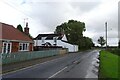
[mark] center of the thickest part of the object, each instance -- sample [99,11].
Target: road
[73,65]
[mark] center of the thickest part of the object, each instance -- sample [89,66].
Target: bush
[115,51]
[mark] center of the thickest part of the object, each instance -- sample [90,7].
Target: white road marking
[57,72]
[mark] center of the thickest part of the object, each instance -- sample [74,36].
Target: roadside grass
[109,64]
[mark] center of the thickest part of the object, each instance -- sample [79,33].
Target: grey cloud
[119,20]
[98,25]
[85,6]
[47,15]
[50,14]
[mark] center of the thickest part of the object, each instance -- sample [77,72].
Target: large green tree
[101,41]
[19,27]
[74,32]
[72,29]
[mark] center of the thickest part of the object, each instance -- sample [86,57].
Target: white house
[54,40]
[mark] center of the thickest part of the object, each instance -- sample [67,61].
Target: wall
[31,47]
[71,48]
[39,42]
[63,51]
[15,47]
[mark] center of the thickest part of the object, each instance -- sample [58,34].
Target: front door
[6,47]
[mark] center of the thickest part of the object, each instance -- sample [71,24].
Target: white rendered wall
[39,42]
[71,48]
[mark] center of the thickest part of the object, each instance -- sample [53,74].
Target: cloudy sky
[44,15]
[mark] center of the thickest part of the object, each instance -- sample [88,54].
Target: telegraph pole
[106,33]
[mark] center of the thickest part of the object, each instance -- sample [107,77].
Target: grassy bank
[109,64]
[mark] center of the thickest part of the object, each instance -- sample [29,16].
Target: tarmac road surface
[73,65]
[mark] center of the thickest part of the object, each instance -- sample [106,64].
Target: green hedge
[115,51]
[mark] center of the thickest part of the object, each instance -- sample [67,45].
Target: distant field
[109,64]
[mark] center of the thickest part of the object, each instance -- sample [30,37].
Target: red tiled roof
[11,33]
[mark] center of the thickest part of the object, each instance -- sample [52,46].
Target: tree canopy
[19,27]
[101,41]
[73,30]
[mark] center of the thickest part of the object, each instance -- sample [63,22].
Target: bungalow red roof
[11,33]
[13,40]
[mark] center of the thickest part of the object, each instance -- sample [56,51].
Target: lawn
[109,65]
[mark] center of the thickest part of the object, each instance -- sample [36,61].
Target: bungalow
[13,40]
[54,40]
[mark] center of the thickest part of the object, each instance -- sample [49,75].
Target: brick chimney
[26,29]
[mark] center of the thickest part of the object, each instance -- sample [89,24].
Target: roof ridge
[17,32]
[6,24]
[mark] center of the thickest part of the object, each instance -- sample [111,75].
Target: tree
[72,29]
[86,43]
[19,27]
[74,32]
[119,44]
[101,41]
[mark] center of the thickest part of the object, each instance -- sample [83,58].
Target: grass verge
[109,64]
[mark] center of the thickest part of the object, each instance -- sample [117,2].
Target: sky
[44,15]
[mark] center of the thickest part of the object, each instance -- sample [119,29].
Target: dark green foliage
[74,32]
[85,43]
[119,44]
[19,27]
[101,41]
[115,51]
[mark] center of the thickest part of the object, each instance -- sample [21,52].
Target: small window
[24,46]
[43,39]
[20,47]
[6,47]
[55,39]
[9,47]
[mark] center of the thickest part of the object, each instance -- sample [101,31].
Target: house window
[9,48]
[55,40]
[43,39]
[6,47]
[24,47]
[20,46]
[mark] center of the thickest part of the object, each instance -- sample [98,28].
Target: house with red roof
[13,40]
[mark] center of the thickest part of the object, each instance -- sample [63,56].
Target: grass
[109,65]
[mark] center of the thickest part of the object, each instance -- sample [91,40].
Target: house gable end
[64,38]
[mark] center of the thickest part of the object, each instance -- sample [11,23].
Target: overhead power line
[14,7]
